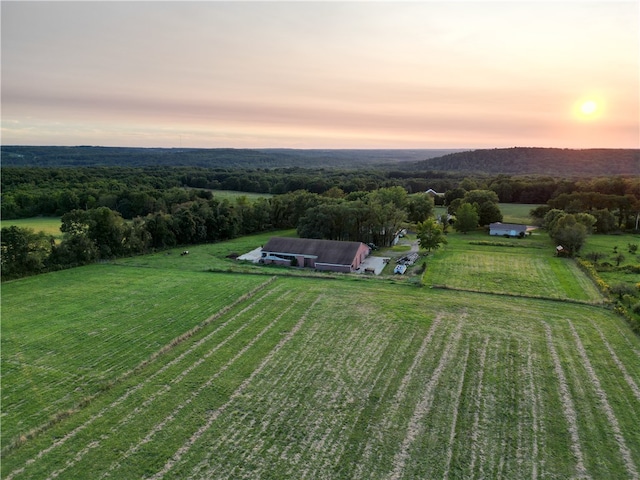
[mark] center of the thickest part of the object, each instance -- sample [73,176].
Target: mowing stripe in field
[367,449]
[359,355]
[534,398]
[497,408]
[172,416]
[149,379]
[324,391]
[96,325]
[166,388]
[400,393]
[454,420]
[567,406]
[319,442]
[478,395]
[627,341]
[606,407]
[296,369]
[632,384]
[423,407]
[364,414]
[177,456]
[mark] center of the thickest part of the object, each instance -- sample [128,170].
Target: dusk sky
[299,74]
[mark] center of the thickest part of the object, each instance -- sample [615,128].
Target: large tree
[430,234]
[486,202]
[421,207]
[466,218]
[570,233]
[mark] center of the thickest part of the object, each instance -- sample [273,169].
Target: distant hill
[555,162]
[88,156]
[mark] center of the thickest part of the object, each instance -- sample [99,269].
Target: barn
[509,229]
[330,255]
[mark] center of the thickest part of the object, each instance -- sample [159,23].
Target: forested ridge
[538,161]
[556,162]
[85,156]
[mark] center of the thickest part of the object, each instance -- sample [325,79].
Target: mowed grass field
[159,369]
[510,266]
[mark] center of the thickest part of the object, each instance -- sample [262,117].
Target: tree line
[33,191]
[115,211]
[102,233]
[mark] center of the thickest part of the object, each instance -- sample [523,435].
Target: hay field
[188,374]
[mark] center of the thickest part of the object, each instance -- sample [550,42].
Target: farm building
[509,229]
[331,255]
[433,193]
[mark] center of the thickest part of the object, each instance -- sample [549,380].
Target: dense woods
[84,156]
[558,162]
[555,162]
[31,191]
[116,211]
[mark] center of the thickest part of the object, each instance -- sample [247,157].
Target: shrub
[631,268]
[621,290]
[595,256]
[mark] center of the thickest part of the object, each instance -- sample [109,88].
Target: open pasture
[517,212]
[511,266]
[48,225]
[211,256]
[66,336]
[314,378]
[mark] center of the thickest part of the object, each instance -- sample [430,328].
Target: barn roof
[325,251]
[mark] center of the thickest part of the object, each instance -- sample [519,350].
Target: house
[331,255]
[433,193]
[509,229]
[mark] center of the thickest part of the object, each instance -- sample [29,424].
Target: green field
[156,368]
[517,212]
[48,225]
[610,246]
[232,195]
[511,266]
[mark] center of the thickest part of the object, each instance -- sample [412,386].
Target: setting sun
[589,107]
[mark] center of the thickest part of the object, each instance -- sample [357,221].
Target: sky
[327,74]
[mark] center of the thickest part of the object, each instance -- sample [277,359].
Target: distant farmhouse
[510,229]
[330,255]
[434,194]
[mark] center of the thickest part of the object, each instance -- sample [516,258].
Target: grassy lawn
[517,212]
[510,266]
